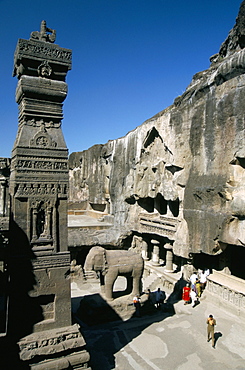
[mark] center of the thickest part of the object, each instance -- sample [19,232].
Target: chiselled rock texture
[180,174]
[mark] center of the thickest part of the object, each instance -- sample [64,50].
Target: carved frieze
[55,341]
[38,123]
[4,223]
[35,49]
[4,163]
[41,165]
[60,260]
[36,189]
[160,225]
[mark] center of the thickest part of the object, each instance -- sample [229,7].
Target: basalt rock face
[185,165]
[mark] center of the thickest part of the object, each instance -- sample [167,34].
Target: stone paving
[173,337]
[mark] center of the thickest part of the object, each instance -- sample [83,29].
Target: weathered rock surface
[184,167]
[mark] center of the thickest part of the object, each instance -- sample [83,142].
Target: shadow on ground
[217,335]
[106,332]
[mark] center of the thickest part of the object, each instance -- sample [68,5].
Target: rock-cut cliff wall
[185,165]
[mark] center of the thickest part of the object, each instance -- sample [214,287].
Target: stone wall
[185,164]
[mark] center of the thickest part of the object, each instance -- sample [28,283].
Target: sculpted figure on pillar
[46,34]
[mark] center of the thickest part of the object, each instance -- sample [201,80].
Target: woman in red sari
[186,293]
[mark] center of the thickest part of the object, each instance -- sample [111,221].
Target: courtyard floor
[173,337]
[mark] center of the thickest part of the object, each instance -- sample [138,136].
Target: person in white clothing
[203,280]
[193,279]
[194,298]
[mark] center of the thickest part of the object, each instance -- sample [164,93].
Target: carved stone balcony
[158,224]
[227,290]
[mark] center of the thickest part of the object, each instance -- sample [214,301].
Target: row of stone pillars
[155,260]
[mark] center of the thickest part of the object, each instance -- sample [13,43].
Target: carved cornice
[39,50]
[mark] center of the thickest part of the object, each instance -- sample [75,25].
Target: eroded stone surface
[183,169]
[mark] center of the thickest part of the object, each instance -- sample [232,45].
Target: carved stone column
[49,214]
[40,301]
[169,258]
[155,253]
[34,223]
[144,250]
[2,197]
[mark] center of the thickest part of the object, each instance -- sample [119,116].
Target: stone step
[90,275]
[150,282]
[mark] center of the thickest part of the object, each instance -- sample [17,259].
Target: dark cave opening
[147,204]
[161,204]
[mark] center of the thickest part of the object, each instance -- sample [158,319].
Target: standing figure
[159,298]
[194,298]
[203,280]
[186,293]
[136,301]
[193,280]
[198,288]
[211,323]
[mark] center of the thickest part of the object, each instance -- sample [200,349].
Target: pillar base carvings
[61,348]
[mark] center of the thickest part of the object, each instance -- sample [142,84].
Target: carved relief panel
[41,211]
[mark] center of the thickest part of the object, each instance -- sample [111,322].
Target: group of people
[154,298]
[191,293]
[193,290]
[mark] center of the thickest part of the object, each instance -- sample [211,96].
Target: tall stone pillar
[144,250]
[155,253]
[4,177]
[169,258]
[40,300]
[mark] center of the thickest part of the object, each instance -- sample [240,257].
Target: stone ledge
[51,342]
[74,361]
[229,281]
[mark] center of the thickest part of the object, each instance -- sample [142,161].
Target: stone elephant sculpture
[113,263]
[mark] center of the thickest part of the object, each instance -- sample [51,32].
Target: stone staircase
[151,282]
[90,275]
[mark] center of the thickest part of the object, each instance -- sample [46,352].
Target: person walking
[211,322]
[203,280]
[193,278]
[186,293]
[194,298]
[198,288]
